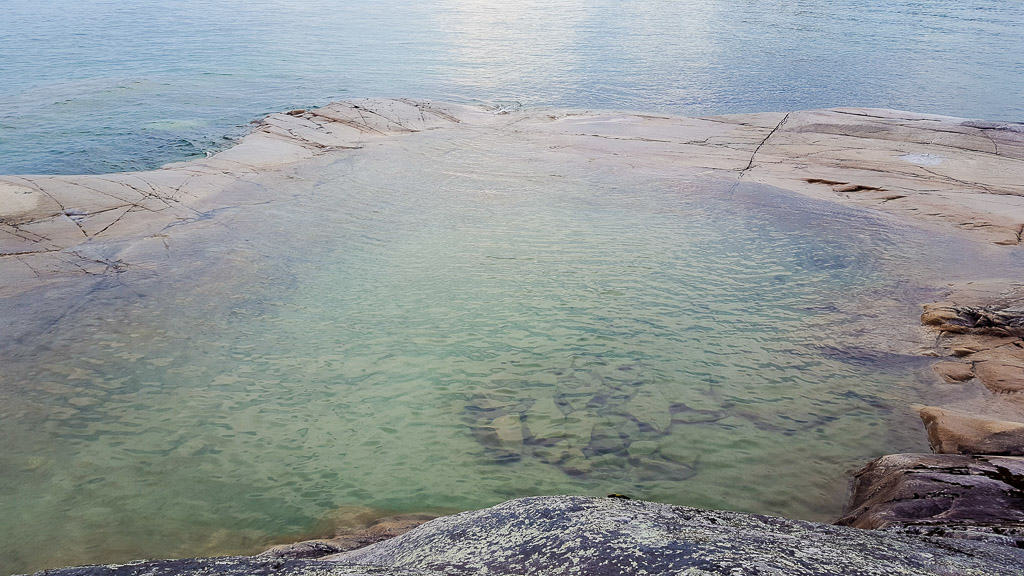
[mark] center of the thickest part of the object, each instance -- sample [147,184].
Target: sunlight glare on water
[105,85]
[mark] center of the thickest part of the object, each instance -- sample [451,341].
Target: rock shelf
[954,172]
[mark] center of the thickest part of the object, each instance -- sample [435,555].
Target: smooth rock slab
[956,432]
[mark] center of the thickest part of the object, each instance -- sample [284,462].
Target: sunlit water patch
[104,85]
[444,321]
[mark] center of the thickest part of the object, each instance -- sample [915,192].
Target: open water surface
[92,86]
[449,319]
[446,321]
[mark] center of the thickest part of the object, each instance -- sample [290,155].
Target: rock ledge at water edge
[573,535]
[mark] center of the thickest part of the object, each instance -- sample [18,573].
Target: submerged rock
[347,538]
[954,371]
[651,409]
[967,497]
[509,430]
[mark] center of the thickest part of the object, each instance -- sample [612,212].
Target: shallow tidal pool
[440,322]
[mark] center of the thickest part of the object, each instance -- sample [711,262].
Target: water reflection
[80,79]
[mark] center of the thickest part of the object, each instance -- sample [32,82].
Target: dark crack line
[91,189]
[423,106]
[386,119]
[29,252]
[750,163]
[63,210]
[116,220]
[25,234]
[393,121]
[882,117]
[27,265]
[964,182]
[350,122]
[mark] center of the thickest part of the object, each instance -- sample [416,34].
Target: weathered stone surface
[234,566]
[954,371]
[971,497]
[1001,373]
[919,166]
[989,320]
[573,535]
[938,314]
[577,535]
[956,432]
[45,221]
[979,323]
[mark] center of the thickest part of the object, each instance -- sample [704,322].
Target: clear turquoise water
[103,85]
[448,320]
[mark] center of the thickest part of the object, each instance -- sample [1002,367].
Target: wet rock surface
[570,535]
[350,536]
[957,496]
[973,486]
[979,338]
[955,432]
[991,320]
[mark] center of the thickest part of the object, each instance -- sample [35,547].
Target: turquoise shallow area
[107,85]
[447,320]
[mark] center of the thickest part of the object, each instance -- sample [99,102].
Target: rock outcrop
[572,535]
[957,172]
[968,497]
[973,486]
[980,335]
[955,432]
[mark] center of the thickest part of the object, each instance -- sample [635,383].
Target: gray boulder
[574,535]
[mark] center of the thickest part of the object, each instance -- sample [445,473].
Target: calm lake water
[450,319]
[108,85]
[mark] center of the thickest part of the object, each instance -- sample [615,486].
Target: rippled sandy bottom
[445,321]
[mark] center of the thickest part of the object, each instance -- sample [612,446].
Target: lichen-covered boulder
[234,566]
[573,535]
[568,535]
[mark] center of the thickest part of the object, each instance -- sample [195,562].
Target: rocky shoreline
[959,510]
[973,485]
[570,535]
[952,173]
